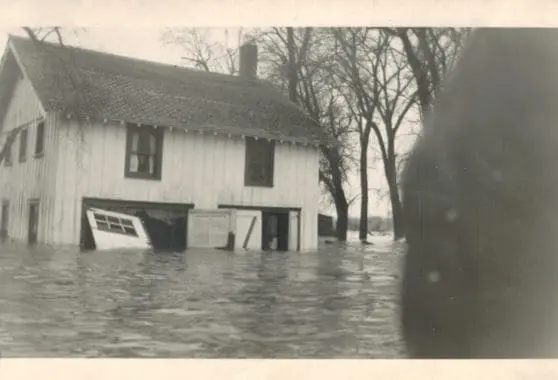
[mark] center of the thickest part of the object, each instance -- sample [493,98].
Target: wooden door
[5,220]
[248,229]
[113,230]
[33,222]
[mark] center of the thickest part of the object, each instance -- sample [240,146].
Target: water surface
[336,303]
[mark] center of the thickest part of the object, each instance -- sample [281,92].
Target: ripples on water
[201,303]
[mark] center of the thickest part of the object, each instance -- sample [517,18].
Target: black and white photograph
[281,191]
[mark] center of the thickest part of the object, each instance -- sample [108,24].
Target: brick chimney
[248,56]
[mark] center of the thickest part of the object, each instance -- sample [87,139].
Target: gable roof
[87,83]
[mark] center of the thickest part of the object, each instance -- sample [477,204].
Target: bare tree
[300,62]
[397,96]
[389,72]
[42,34]
[359,52]
[296,57]
[430,53]
[208,48]
[352,80]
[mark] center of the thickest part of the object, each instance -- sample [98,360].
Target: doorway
[281,223]
[275,230]
[33,228]
[5,220]
[165,223]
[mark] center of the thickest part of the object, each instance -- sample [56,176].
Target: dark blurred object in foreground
[481,206]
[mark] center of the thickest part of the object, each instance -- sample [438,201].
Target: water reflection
[335,303]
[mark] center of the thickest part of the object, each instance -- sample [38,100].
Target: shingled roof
[87,83]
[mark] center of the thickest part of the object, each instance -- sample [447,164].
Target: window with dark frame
[40,139]
[23,145]
[260,157]
[144,152]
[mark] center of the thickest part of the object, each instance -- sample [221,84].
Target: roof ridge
[136,59]
[147,92]
[262,82]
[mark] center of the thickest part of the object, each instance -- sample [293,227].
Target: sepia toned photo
[278,192]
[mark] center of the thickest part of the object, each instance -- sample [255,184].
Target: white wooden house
[106,131]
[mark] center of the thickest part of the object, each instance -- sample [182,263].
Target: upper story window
[23,145]
[260,161]
[144,152]
[40,139]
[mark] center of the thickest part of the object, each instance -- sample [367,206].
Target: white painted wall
[87,160]
[203,169]
[33,178]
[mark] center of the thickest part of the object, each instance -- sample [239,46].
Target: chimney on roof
[248,56]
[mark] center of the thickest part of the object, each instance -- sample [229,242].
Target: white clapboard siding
[293,230]
[202,169]
[34,178]
[210,228]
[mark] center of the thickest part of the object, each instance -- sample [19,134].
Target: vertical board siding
[202,169]
[34,178]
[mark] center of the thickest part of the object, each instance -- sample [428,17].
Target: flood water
[336,303]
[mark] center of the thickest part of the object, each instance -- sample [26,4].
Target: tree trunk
[419,72]
[396,207]
[390,170]
[334,185]
[339,198]
[363,228]
[342,208]
[292,69]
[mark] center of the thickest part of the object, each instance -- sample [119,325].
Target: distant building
[326,226]
[91,129]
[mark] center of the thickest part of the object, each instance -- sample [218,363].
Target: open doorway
[280,226]
[275,231]
[33,227]
[5,220]
[165,223]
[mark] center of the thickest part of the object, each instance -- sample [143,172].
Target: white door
[293,230]
[248,230]
[209,228]
[113,230]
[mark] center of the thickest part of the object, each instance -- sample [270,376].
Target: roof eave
[204,129]
[23,69]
